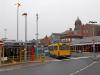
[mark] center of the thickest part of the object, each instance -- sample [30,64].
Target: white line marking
[19,67]
[13,68]
[83,68]
[56,60]
[7,69]
[78,57]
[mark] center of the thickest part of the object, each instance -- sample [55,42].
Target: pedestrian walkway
[13,66]
[8,67]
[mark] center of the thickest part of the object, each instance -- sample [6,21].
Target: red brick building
[45,41]
[82,30]
[86,30]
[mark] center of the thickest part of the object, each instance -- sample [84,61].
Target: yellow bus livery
[59,50]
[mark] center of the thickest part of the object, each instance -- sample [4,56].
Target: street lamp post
[18,5]
[93,34]
[25,14]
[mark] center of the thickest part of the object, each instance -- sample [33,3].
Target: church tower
[78,23]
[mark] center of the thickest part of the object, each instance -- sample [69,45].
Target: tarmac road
[91,70]
[74,66]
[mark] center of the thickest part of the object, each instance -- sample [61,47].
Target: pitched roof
[86,40]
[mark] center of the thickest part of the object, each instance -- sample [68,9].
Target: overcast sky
[54,16]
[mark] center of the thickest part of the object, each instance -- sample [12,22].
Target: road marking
[66,59]
[83,68]
[78,57]
[53,60]
[8,69]
[12,68]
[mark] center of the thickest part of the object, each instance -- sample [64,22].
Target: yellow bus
[59,50]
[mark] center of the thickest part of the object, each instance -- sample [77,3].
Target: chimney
[70,29]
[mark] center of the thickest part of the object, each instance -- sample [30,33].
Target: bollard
[38,57]
[42,58]
[32,55]
[20,56]
[3,54]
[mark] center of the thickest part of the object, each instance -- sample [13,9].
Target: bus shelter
[13,52]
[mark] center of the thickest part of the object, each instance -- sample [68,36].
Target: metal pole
[25,14]
[20,55]
[18,5]
[13,59]
[26,28]
[17,21]
[5,33]
[37,27]
[0,56]
[26,37]
[37,33]
[93,34]
[93,40]
[0,53]
[3,54]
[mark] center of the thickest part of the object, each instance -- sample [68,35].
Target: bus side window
[60,47]
[68,47]
[63,47]
[55,48]
[50,47]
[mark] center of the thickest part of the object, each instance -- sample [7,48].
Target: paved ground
[73,66]
[56,67]
[7,67]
